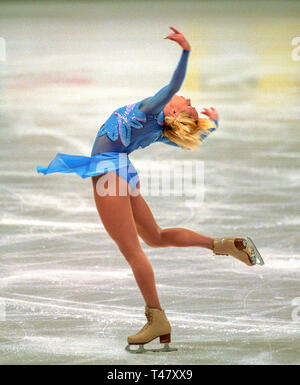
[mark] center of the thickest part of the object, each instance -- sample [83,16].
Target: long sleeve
[209,130]
[154,104]
[166,140]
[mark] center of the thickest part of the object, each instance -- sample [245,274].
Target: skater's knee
[155,239]
[132,253]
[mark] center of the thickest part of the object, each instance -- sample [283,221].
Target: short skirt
[88,166]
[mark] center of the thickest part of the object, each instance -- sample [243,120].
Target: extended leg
[243,249]
[155,236]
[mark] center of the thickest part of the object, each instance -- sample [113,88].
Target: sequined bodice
[127,129]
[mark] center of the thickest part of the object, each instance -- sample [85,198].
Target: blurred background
[66,293]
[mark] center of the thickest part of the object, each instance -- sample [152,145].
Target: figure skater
[168,118]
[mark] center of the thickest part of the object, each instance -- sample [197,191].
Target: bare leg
[154,236]
[116,215]
[183,238]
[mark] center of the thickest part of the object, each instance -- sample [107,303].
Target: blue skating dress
[128,128]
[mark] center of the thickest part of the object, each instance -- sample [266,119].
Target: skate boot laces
[149,317]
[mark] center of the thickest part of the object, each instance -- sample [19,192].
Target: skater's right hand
[211,112]
[179,38]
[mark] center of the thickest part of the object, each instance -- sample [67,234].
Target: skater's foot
[157,326]
[241,248]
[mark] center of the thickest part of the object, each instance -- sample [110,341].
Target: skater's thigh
[146,225]
[116,214]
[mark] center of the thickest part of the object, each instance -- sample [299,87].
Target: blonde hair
[184,130]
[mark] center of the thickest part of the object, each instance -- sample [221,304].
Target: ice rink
[67,295]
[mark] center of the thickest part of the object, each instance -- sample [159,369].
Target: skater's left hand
[179,38]
[211,112]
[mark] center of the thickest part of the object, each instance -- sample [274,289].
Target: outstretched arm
[157,102]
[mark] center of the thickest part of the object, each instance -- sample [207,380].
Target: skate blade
[256,258]
[141,349]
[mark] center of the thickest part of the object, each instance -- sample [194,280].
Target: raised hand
[211,113]
[179,38]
